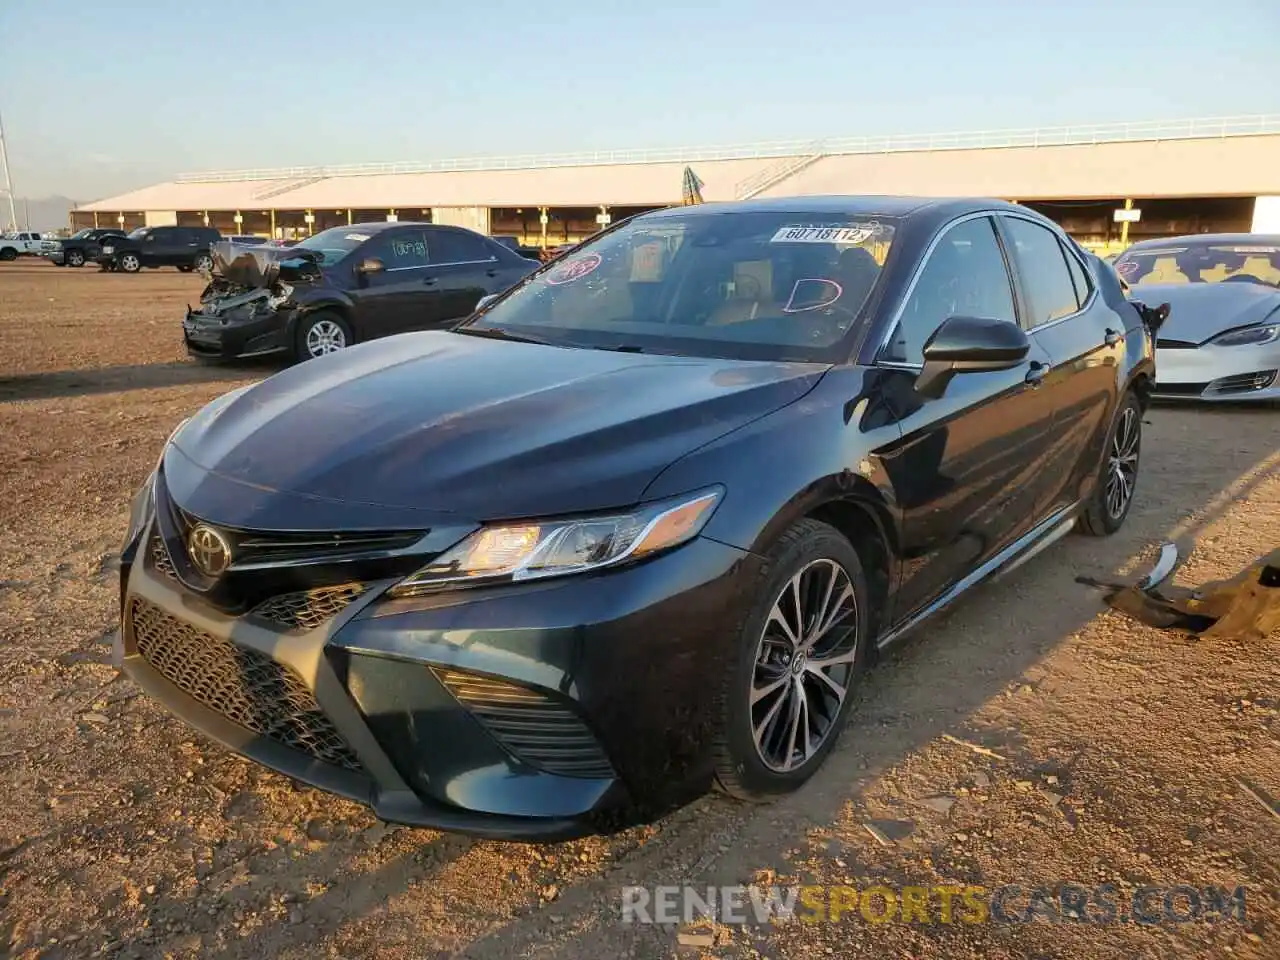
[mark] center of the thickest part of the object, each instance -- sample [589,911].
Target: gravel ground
[1108,751]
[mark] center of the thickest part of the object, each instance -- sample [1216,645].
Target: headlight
[551,548]
[140,509]
[1249,336]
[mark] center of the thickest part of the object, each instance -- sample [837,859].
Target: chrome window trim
[450,263]
[1065,243]
[915,278]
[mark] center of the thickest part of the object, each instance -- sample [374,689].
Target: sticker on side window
[819,233]
[575,269]
[1128,268]
[357,237]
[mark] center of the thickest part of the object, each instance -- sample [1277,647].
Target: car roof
[1205,239]
[379,226]
[868,205]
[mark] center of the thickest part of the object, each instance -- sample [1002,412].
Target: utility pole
[8,180]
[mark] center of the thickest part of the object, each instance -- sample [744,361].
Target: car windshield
[81,234]
[334,244]
[760,285]
[139,233]
[1202,263]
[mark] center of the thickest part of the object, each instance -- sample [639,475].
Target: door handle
[491,273]
[428,281]
[1112,337]
[1035,376]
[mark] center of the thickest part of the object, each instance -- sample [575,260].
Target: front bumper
[231,338]
[1220,374]
[55,256]
[535,712]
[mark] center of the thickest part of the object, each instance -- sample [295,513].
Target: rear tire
[203,263]
[1112,498]
[782,704]
[8,254]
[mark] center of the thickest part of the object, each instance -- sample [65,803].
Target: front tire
[321,333]
[8,254]
[129,263]
[75,259]
[1112,498]
[800,653]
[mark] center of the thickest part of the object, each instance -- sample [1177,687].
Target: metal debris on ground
[1244,607]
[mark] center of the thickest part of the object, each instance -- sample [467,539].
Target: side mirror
[969,345]
[484,301]
[370,265]
[1153,317]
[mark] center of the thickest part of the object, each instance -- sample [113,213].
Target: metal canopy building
[1186,176]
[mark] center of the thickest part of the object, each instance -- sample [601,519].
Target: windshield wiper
[496,333]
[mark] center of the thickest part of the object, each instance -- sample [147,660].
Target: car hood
[256,266]
[1200,311]
[476,428]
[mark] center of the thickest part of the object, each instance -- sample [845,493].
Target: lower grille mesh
[542,732]
[308,609]
[249,689]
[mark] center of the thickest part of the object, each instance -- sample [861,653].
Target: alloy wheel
[1122,466]
[804,663]
[204,264]
[325,336]
[129,263]
[75,258]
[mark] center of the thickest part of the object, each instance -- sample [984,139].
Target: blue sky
[102,97]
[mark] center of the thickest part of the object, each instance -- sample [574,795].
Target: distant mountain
[45,213]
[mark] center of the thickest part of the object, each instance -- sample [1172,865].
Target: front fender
[312,301]
[819,450]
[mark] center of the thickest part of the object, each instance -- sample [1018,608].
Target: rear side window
[1042,266]
[1078,278]
[454,246]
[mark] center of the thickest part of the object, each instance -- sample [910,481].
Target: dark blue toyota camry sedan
[637,526]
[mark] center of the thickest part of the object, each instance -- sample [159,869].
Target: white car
[1221,341]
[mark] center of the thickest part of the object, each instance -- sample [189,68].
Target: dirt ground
[1114,751]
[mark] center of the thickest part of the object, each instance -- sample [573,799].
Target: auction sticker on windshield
[805,233]
[573,270]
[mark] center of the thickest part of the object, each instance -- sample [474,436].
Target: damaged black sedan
[638,526]
[344,286]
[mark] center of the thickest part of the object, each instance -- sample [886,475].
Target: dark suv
[83,246]
[187,248]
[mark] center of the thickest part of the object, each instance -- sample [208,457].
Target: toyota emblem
[208,550]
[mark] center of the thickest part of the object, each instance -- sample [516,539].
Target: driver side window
[965,275]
